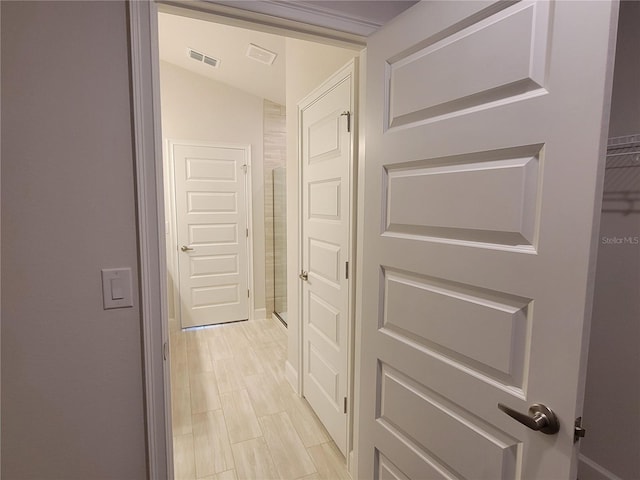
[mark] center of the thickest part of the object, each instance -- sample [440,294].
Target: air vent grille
[201,57]
[260,54]
[196,55]
[211,61]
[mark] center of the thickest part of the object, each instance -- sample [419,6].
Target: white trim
[353,282]
[254,20]
[316,14]
[291,374]
[248,185]
[170,198]
[596,471]
[169,189]
[351,69]
[358,267]
[259,314]
[149,189]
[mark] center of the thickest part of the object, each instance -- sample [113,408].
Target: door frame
[351,69]
[170,192]
[148,158]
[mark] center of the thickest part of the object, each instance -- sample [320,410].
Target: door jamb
[170,185]
[147,144]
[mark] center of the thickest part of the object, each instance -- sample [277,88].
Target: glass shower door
[280,243]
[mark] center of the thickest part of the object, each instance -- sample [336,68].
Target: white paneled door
[484,159]
[326,159]
[211,232]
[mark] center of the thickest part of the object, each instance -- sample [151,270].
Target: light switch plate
[116,288]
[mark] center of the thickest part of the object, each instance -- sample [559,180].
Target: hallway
[234,413]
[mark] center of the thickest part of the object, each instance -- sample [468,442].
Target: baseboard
[590,470]
[275,318]
[291,375]
[260,314]
[173,325]
[351,464]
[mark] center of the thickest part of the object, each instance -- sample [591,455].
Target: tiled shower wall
[280,241]
[275,150]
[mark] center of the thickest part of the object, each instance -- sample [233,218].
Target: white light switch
[116,288]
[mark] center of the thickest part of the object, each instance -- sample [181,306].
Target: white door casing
[485,130]
[211,232]
[326,159]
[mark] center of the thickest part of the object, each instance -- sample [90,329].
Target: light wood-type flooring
[235,416]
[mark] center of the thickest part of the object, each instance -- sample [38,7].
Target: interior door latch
[578,431]
[348,115]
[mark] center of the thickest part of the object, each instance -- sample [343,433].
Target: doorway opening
[233,392]
[399,278]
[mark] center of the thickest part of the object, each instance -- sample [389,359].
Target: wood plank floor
[235,416]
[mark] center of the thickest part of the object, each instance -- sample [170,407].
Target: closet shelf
[622,175]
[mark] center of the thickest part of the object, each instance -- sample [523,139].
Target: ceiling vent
[260,54]
[201,57]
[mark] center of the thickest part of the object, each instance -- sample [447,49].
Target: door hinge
[346,270]
[244,168]
[247,233]
[578,431]
[248,293]
[345,404]
[348,115]
[165,350]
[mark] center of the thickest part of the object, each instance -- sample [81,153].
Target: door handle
[304,276]
[540,418]
[184,248]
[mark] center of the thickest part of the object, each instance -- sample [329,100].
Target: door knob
[184,248]
[540,418]
[304,276]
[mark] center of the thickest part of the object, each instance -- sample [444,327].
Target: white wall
[612,401]
[72,385]
[200,109]
[308,65]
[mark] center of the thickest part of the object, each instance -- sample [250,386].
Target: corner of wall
[291,374]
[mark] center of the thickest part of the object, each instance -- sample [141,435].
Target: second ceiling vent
[201,57]
[260,54]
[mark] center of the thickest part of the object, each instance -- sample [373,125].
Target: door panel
[484,131]
[487,197]
[326,159]
[211,220]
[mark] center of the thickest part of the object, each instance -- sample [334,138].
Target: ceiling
[229,45]
[360,17]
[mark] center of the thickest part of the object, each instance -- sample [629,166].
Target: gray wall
[612,400]
[72,388]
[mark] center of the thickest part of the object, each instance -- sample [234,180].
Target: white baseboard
[351,464]
[260,314]
[291,375]
[275,318]
[590,470]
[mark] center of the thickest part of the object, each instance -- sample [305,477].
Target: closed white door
[484,159]
[326,159]
[211,232]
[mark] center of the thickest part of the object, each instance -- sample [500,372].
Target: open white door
[211,232]
[326,154]
[484,158]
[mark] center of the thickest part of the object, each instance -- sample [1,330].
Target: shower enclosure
[279,244]
[275,210]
